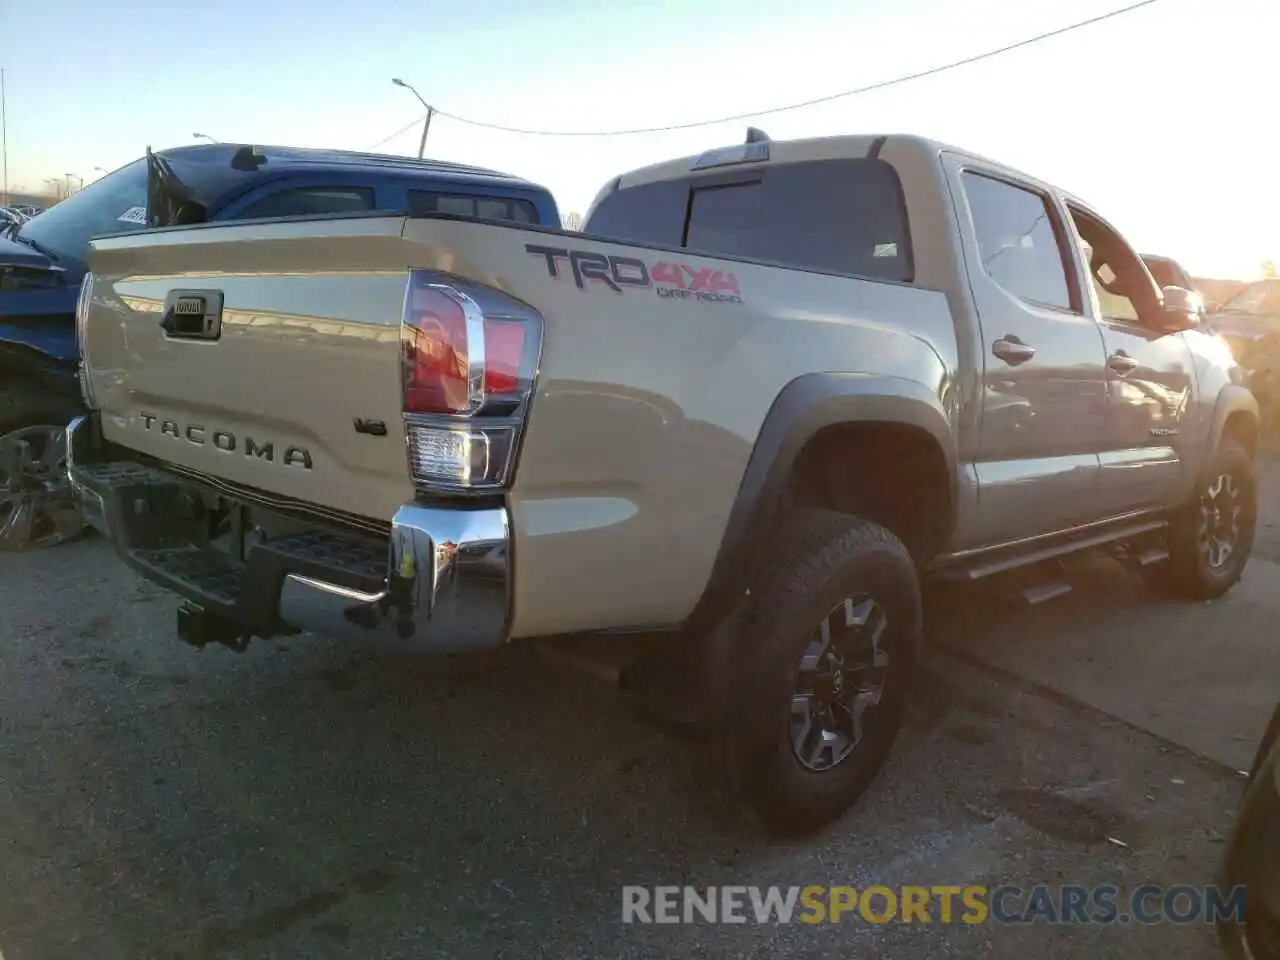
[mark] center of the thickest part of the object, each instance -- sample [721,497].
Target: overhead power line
[751,114]
[392,136]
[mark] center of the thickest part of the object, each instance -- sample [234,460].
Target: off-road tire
[1187,574]
[821,559]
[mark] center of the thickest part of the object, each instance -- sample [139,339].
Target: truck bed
[640,426]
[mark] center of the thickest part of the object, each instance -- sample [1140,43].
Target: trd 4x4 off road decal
[664,277]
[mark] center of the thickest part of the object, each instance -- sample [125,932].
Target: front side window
[1124,290]
[309,201]
[113,204]
[1017,243]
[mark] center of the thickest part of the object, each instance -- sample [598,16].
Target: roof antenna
[756,135]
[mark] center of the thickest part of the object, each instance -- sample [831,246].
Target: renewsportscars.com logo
[666,278]
[971,904]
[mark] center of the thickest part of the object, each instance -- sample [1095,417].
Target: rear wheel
[36,505]
[819,692]
[1210,538]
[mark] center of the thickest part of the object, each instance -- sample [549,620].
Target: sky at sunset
[1161,118]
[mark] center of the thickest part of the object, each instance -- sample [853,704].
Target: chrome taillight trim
[505,415]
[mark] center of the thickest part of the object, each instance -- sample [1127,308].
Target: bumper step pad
[206,570]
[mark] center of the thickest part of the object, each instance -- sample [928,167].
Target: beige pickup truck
[764,393]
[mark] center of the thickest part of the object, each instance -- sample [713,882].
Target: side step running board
[1154,555]
[979,567]
[1044,592]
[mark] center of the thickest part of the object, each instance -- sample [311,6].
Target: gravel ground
[308,799]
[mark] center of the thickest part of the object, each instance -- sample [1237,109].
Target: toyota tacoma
[765,393]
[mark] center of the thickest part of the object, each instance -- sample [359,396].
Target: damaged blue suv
[43,261]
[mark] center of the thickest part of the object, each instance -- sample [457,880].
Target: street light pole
[426,123]
[203,136]
[4,138]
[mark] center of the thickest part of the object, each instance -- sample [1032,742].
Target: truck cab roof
[792,151]
[219,172]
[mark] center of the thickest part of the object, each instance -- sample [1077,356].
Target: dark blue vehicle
[43,261]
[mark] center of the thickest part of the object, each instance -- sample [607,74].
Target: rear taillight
[82,338]
[468,357]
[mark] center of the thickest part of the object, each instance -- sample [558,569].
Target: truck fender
[1232,398]
[805,406]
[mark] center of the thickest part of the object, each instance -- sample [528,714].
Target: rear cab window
[835,216]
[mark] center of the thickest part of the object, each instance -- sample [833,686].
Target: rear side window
[422,202]
[842,216]
[310,201]
[1017,242]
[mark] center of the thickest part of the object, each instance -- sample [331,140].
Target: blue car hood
[15,254]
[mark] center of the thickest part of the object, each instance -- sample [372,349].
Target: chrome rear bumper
[441,580]
[448,585]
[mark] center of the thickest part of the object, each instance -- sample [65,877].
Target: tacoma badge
[198,435]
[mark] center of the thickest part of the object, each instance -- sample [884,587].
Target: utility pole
[426,123]
[4,138]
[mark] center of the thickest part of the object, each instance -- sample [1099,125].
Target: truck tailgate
[287,397]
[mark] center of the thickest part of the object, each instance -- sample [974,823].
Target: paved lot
[311,800]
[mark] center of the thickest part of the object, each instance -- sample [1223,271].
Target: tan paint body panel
[644,418]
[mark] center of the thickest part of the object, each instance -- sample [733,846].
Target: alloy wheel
[1220,508]
[37,508]
[840,684]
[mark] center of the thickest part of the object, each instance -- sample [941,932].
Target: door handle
[1012,350]
[1121,362]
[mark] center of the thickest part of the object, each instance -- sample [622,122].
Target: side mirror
[1180,310]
